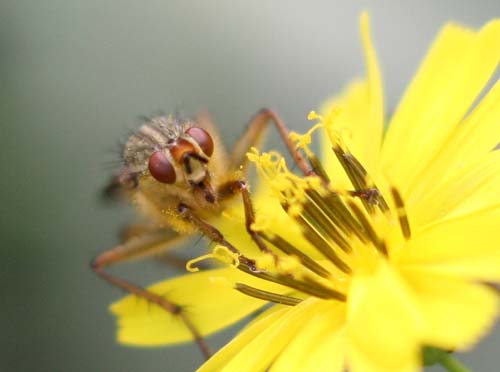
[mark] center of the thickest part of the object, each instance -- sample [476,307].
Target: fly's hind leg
[141,246]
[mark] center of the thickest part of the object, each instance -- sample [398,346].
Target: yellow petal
[456,313]
[471,188]
[207,297]
[475,137]
[361,118]
[383,323]
[318,345]
[451,77]
[465,246]
[330,356]
[217,362]
[259,353]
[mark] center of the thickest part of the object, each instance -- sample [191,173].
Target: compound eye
[161,168]
[203,139]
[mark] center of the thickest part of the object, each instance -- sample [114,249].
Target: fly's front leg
[253,135]
[241,187]
[212,233]
[143,246]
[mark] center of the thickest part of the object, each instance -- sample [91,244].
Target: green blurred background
[74,78]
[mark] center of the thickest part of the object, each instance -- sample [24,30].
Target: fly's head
[172,157]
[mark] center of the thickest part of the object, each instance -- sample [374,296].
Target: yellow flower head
[389,248]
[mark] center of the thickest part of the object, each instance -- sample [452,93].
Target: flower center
[343,231]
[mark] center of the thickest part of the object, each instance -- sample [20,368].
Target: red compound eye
[203,139]
[161,168]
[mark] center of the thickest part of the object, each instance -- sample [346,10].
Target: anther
[333,206]
[323,246]
[318,168]
[402,215]
[289,249]
[324,226]
[267,296]
[372,235]
[360,179]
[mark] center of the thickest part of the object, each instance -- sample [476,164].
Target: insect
[179,174]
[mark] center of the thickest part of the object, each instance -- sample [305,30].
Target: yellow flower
[389,249]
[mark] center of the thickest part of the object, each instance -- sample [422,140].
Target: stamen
[223,254]
[370,195]
[324,226]
[190,264]
[219,253]
[304,140]
[401,211]
[267,296]
[330,220]
[214,234]
[333,293]
[316,290]
[360,180]
[317,167]
[313,115]
[319,242]
[332,205]
[313,288]
[269,164]
[290,250]
[266,262]
[357,175]
[376,241]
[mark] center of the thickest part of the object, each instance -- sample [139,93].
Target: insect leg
[240,186]
[143,246]
[253,135]
[139,243]
[212,233]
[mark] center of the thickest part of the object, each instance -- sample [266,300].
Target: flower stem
[452,365]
